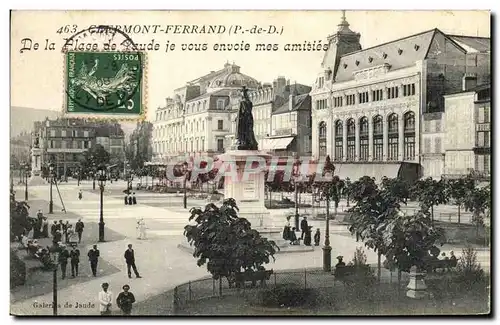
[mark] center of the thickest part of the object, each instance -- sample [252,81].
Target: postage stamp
[104,74]
[104,82]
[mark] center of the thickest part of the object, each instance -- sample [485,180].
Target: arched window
[351,139]
[339,140]
[363,138]
[322,139]
[393,137]
[409,136]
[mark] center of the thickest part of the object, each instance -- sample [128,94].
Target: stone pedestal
[36,168]
[417,289]
[244,181]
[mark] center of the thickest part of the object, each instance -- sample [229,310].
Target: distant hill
[22,118]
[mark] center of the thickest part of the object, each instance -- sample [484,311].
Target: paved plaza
[160,262]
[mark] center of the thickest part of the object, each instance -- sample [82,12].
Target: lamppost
[102,182]
[21,169]
[11,178]
[295,175]
[51,179]
[79,175]
[54,252]
[26,173]
[329,190]
[185,169]
[93,175]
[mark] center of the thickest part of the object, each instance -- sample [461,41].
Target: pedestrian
[134,200]
[130,260]
[126,198]
[141,228]
[60,226]
[57,237]
[287,229]
[63,260]
[53,228]
[75,260]
[307,237]
[45,228]
[304,226]
[79,229]
[105,298]
[80,194]
[130,200]
[93,255]
[125,300]
[317,237]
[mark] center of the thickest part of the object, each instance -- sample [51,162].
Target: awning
[355,171]
[276,143]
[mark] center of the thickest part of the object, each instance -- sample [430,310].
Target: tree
[429,193]
[479,203]
[373,208]
[347,189]
[410,239]
[397,187]
[459,190]
[95,156]
[19,217]
[225,242]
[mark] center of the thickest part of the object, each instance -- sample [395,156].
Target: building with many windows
[197,119]
[467,144]
[370,105]
[63,142]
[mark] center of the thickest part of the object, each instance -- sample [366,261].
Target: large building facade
[197,119]
[467,143]
[370,106]
[201,117]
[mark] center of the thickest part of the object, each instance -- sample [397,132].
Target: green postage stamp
[104,83]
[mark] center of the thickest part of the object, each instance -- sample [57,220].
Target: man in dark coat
[93,255]
[125,300]
[53,228]
[130,260]
[75,260]
[63,260]
[126,199]
[304,226]
[134,200]
[130,200]
[79,229]
[57,237]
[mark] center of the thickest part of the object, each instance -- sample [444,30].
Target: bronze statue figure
[244,126]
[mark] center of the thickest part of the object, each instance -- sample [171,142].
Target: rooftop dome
[232,77]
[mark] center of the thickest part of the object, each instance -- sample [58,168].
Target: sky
[37,77]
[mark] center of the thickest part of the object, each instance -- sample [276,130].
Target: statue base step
[37,180]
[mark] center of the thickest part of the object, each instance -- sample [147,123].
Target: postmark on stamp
[103,74]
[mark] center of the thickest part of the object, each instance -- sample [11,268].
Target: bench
[241,278]
[446,264]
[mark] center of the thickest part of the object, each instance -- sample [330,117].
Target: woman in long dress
[286,229]
[141,228]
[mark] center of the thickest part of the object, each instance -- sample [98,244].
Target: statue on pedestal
[244,126]
[36,142]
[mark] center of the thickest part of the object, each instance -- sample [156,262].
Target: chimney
[291,100]
[469,81]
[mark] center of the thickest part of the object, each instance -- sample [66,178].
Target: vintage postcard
[250,163]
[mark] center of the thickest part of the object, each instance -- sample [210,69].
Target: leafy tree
[409,240]
[459,190]
[479,203]
[225,242]
[19,217]
[430,193]
[397,187]
[373,208]
[94,157]
[347,189]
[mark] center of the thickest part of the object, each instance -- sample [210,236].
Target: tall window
[350,99]
[378,138]
[351,139]
[220,124]
[321,104]
[392,92]
[363,97]
[393,137]
[337,101]
[322,139]
[363,138]
[220,145]
[409,136]
[377,95]
[339,141]
[409,90]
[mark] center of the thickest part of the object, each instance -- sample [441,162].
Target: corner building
[368,105]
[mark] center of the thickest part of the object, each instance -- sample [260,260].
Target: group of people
[130,199]
[124,300]
[64,232]
[289,233]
